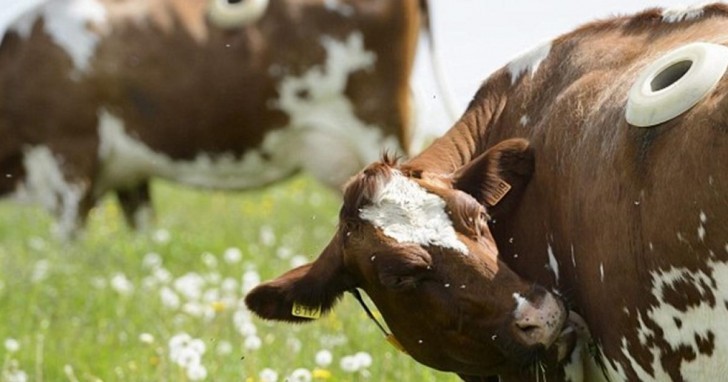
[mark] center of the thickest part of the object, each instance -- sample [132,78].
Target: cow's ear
[498,177]
[303,293]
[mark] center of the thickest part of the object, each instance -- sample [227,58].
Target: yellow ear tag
[393,341]
[501,189]
[306,311]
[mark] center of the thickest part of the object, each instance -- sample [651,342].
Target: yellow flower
[218,306]
[321,374]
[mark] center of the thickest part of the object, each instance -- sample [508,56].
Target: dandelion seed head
[268,375]
[324,358]
[253,343]
[349,364]
[232,255]
[12,345]
[364,359]
[152,260]
[300,375]
[161,236]
[224,348]
[146,338]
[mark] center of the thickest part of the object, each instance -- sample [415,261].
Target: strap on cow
[389,336]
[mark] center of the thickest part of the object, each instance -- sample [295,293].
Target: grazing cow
[424,254]
[627,210]
[101,95]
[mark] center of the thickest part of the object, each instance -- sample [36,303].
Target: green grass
[78,309]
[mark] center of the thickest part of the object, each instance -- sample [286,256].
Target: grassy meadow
[166,305]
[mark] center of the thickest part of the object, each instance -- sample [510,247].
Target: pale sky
[476,37]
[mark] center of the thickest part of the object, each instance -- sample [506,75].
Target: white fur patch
[528,62]
[69,23]
[553,264]
[45,184]
[325,117]
[684,328]
[339,7]
[127,161]
[406,212]
[685,13]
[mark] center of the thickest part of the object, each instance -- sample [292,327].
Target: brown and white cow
[627,209]
[101,95]
[423,252]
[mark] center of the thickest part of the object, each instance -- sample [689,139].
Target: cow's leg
[61,181]
[136,203]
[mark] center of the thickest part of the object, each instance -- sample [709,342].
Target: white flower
[298,260]
[12,345]
[187,352]
[324,358]
[251,279]
[146,338]
[284,253]
[229,285]
[121,284]
[253,343]
[170,299]
[14,376]
[294,344]
[152,260]
[209,260]
[268,375]
[224,348]
[267,236]
[161,236]
[232,255]
[40,271]
[349,364]
[196,372]
[162,275]
[300,375]
[364,359]
[190,285]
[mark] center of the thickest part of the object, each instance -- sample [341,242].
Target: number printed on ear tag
[499,193]
[306,311]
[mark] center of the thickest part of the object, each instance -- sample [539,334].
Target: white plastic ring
[675,82]
[227,15]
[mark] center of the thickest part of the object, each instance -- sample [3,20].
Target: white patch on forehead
[127,161]
[334,143]
[74,25]
[601,271]
[337,6]
[45,184]
[684,13]
[553,264]
[528,62]
[406,212]
[685,327]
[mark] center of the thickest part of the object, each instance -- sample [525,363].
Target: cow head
[423,252]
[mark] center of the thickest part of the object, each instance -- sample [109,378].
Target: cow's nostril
[527,328]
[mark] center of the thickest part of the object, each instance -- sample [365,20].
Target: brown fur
[604,194]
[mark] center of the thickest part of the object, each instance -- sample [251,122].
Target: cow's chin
[573,332]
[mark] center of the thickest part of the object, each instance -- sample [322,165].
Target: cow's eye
[402,271]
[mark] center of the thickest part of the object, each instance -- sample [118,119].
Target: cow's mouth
[573,331]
